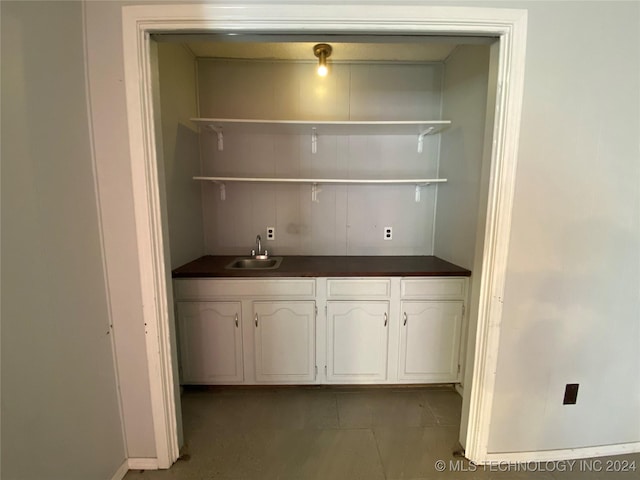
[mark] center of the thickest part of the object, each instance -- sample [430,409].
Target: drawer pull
[385,319]
[236,320]
[256,319]
[404,315]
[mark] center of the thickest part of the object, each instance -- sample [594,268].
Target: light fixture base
[322,48]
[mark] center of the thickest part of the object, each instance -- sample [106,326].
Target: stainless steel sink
[250,263]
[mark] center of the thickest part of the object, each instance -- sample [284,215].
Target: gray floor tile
[337,433]
[380,408]
[333,454]
[413,452]
[266,454]
[445,404]
[520,475]
[181,470]
[247,410]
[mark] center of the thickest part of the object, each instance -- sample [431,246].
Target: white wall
[572,301]
[181,152]
[571,307]
[60,407]
[464,103]
[340,223]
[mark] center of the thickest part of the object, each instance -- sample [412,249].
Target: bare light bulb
[322,51]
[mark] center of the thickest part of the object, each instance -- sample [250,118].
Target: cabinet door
[357,333]
[430,341]
[210,342]
[284,341]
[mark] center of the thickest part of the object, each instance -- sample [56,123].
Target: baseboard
[560,455]
[121,471]
[143,464]
[460,389]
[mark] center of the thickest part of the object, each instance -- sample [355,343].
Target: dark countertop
[327,266]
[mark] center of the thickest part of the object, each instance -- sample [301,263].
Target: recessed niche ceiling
[342,52]
[299,47]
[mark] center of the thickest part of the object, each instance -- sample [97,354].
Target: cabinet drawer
[207,288]
[434,288]
[359,288]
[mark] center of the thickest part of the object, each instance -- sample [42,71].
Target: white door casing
[138,22]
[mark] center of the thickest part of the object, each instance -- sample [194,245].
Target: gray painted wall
[574,267]
[60,407]
[111,136]
[340,223]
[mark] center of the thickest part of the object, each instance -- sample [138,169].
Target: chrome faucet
[258,253]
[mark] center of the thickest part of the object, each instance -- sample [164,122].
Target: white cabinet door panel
[210,342]
[284,341]
[430,340]
[357,334]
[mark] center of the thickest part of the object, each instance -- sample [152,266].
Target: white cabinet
[246,330]
[431,318]
[367,330]
[430,340]
[284,341]
[357,341]
[210,342]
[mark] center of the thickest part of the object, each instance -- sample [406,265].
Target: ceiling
[342,52]
[346,48]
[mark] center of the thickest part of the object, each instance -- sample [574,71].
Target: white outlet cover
[388,233]
[271,233]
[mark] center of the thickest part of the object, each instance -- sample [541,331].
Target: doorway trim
[139,22]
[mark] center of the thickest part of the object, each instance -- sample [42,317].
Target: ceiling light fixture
[322,51]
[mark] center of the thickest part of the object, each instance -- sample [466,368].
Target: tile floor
[299,433]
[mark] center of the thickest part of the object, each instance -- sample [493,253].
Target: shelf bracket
[421,136]
[418,190]
[315,190]
[314,140]
[218,131]
[223,190]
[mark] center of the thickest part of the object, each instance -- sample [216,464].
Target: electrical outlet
[571,394]
[271,233]
[388,233]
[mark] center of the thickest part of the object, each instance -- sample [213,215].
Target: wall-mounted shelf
[314,128]
[418,182]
